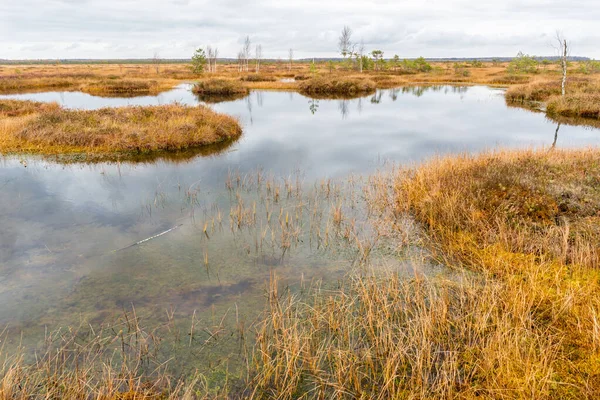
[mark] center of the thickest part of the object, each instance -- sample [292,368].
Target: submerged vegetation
[116,130]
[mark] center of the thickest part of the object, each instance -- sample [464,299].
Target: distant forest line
[225,60]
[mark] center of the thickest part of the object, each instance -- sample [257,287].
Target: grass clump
[19,108]
[582,98]
[323,86]
[18,83]
[119,130]
[258,78]
[529,220]
[122,87]
[219,87]
[544,90]
[585,105]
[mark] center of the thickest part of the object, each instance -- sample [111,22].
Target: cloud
[174,28]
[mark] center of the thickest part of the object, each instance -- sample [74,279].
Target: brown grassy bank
[584,105]
[116,130]
[520,320]
[582,98]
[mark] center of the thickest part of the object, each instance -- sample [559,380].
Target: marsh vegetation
[465,276]
[110,132]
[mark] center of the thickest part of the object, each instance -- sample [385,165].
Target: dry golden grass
[258,78]
[585,105]
[15,78]
[128,87]
[324,86]
[519,318]
[117,130]
[219,87]
[581,99]
[19,108]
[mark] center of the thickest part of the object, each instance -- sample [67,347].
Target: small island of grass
[110,132]
[336,86]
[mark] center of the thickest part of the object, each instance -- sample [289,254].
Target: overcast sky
[32,29]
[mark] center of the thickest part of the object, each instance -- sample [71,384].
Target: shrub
[523,64]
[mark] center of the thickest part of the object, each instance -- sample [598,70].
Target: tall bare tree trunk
[564,66]
[563,48]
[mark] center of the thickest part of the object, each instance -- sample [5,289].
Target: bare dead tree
[156,61]
[258,57]
[214,60]
[359,55]
[291,58]
[563,48]
[209,53]
[345,42]
[240,59]
[246,51]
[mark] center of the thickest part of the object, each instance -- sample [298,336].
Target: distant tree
[246,52]
[210,56]
[198,61]
[291,58]
[331,66]
[359,56]
[240,60]
[345,42]
[563,48]
[422,65]
[523,64]
[214,59]
[395,62]
[156,61]
[377,57]
[258,57]
[546,62]
[313,67]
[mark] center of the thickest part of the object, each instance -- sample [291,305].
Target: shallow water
[63,225]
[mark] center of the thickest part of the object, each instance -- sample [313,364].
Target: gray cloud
[432,28]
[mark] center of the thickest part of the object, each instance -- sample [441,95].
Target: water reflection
[313,105]
[556,135]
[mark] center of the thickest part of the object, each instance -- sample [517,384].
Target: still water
[65,229]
